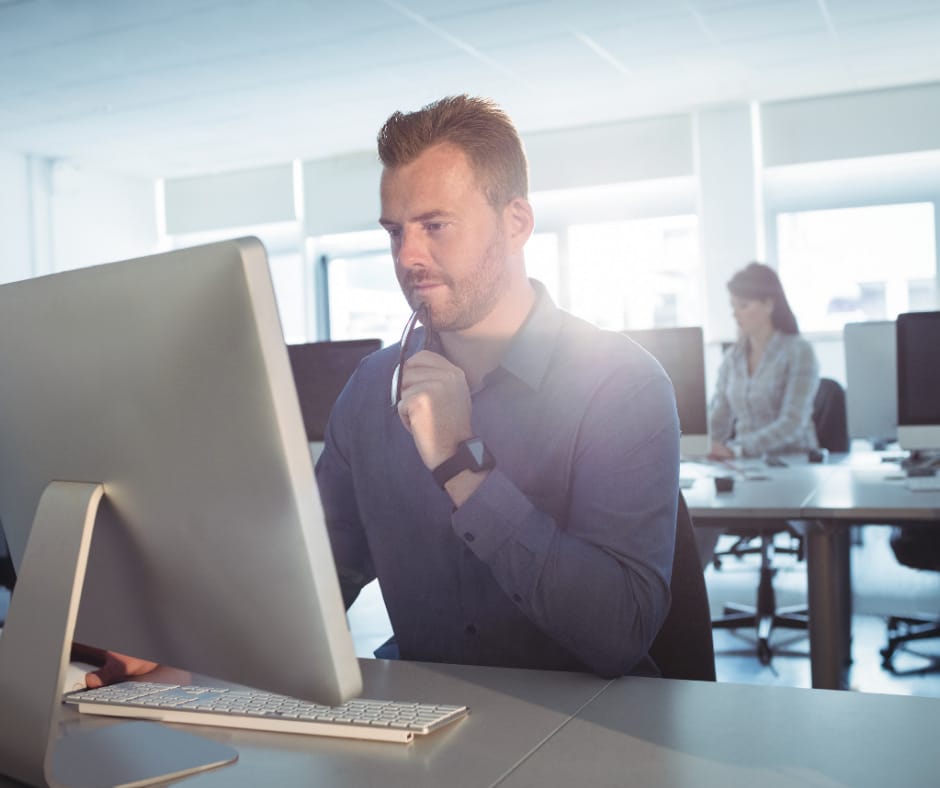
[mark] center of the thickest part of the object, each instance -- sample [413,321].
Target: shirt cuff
[496,513]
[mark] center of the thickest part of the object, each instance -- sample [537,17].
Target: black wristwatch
[471,455]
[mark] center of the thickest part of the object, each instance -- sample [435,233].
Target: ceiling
[180,87]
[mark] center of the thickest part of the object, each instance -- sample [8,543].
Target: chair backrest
[684,649]
[917,546]
[829,416]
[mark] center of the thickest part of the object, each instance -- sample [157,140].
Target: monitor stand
[34,654]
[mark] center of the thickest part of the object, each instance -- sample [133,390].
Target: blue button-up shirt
[562,558]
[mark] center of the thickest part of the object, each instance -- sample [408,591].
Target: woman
[763,401]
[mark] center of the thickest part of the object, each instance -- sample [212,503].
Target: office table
[860,490]
[769,493]
[511,713]
[656,732]
[551,728]
[849,489]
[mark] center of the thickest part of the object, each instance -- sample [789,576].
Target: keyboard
[241,707]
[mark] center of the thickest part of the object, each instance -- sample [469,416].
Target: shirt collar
[530,350]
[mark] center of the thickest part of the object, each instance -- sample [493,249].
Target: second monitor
[681,352]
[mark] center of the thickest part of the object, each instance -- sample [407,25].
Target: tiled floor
[881,587]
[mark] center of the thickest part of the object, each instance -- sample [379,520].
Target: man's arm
[597,583]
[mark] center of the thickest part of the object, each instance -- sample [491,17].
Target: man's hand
[114,667]
[435,406]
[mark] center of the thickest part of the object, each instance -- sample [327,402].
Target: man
[518,502]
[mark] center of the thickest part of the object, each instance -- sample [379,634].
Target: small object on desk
[724,483]
[775,462]
[685,482]
[923,470]
[817,455]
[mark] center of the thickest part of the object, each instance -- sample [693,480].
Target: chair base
[904,629]
[738,616]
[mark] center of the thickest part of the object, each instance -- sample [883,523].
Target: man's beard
[469,299]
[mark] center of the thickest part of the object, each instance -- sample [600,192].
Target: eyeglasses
[422,314]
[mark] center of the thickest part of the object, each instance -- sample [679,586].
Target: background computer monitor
[870,372]
[681,351]
[321,369]
[918,348]
[167,380]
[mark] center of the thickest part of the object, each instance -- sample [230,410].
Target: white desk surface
[759,491]
[511,713]
[652,733]
[866,489]
[545,728]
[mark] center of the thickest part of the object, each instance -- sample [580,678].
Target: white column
[729,209]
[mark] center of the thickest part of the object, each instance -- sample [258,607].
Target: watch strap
[471,455]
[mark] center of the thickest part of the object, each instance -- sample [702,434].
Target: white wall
[54,216]
[100,217]
[16,244]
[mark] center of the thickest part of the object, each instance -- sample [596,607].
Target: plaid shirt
[771,410]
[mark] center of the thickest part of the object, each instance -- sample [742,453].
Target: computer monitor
[871,398]
[321,369]
[681,352]
[163,382]
[918,348]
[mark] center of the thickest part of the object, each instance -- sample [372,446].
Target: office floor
[881,587]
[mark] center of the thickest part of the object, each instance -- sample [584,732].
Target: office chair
[916,546]
[829,419]
[7,573]
[683,649]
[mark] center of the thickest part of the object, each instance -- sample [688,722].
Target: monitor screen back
[166,378]
[681,352]
[871,399]
[321,369]
[918,348]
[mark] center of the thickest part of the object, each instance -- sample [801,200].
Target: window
[365,300]
[641,273]
[541,262]
[853,264]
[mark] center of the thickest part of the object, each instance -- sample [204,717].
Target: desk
[511,713]
[653,732]
[562,729]
[850,489]
[779,494]
[859,490]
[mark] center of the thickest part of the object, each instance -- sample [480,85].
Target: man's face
[447,241]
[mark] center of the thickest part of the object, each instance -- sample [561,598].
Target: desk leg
[829,595]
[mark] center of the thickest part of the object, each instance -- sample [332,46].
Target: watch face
[477,450]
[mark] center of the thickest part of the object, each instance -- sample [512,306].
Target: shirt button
[468,536]
[516,598]
[470,629]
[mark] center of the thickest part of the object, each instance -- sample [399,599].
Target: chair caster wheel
[763,652]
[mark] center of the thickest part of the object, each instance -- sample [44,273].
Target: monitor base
[34,655]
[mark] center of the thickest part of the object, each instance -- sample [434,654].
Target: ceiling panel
[181,87]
